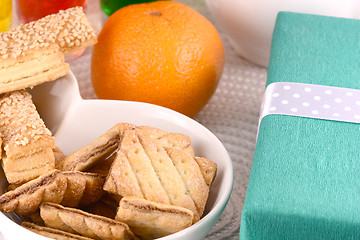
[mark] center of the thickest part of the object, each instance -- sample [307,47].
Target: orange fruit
[163,53]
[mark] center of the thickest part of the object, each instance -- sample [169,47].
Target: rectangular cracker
[26,63]
[89,225]
[27,142]
[121,179]
[167,173]
[133,157]
[33,53]
[208,169]
[22,169]
[68,29]
[142,161]
[151,220]
[192,176]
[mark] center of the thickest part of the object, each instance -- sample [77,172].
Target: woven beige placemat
[232,113]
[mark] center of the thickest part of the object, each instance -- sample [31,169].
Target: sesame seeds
[23,54]
[20,123]
[19,41]
[69,29]
[66,31]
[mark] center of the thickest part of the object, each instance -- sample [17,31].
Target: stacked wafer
[32,54]
[69,29]
[28,63]
[27,143]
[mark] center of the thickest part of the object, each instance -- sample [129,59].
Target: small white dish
[76,122]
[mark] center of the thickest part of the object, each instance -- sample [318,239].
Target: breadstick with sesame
[27,142]
[33,53]
[27,63]
[69,29]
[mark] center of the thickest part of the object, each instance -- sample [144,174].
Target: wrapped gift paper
[305,175]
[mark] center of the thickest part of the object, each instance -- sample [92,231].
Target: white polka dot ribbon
[312,101]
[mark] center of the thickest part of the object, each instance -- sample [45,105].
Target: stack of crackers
[132,182]
[32,54]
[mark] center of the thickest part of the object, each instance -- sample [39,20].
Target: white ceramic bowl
[249,24]
[76,122]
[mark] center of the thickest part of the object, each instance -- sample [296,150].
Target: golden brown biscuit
[82,189]
[27,143]
[181,141]
[76,221]
[143,168]
[26,198]
[68,29]
[151,220]
[132,172]
[208,169]
[87,156]
[28,62]
[168,175]
[121,180]
[51,232]
[192,176]
[68,188]
[21,169]
[167,139]
[99,149]
[33,53]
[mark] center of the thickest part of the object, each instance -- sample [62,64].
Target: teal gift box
[305,175]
